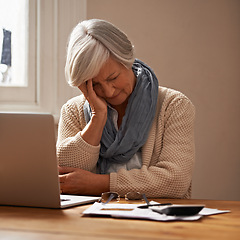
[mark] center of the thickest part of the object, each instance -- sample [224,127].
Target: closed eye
[112,79]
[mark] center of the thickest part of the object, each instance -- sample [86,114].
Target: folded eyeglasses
[106,197]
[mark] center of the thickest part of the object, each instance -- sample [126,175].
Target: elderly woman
[125,132]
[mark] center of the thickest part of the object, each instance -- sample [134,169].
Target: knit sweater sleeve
[168,155]
[72,150]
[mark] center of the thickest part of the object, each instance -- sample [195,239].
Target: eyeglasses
[106,197]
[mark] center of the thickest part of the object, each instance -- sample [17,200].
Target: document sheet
[132,211]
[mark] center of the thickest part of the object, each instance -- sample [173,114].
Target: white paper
[211,211]
[132,211]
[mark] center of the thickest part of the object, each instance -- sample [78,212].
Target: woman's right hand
[98,104]
[92,133]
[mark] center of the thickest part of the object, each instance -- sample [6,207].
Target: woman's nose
[108,90]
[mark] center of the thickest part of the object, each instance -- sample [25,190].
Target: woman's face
[114,82]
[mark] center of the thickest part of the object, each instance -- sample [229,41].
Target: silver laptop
[28,164]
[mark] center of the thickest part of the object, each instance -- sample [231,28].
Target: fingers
[87,89]
[62,180]
[67,180]
[65,170]
[90,87]
[83,89]
[98,104]
[63,174]
[63,177]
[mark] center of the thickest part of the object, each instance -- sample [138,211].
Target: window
[43,87]
[17,23]
[13,42]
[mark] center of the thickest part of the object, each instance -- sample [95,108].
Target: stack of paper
[132,211]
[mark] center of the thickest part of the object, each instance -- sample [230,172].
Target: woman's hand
[98,104]
[78,181]
[92,133]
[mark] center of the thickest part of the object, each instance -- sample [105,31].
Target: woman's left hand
[82,182]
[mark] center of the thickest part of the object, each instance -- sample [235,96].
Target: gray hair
[90,44]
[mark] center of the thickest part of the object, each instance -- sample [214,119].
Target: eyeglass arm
[145,199]
[110,198]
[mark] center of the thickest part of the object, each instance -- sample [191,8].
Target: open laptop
[28,164]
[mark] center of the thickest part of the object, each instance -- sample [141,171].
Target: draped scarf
[120,146]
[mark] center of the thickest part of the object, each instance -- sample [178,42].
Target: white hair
[90,44]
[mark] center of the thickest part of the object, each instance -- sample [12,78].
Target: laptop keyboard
[63,200]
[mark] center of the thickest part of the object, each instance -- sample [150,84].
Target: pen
[153,205]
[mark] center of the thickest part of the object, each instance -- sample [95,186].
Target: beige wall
[193,46]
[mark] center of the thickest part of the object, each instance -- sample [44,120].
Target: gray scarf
[120,146]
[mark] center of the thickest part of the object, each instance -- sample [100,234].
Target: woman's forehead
[108,70]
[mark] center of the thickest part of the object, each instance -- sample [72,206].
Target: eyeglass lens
[108,196]
[136,196]
[133,196]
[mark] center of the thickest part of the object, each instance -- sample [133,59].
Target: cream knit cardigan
[167,156]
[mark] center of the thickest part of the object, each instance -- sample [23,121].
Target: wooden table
[47,224]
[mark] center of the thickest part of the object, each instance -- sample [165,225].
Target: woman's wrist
[98,183]
[102,183]
[92,133]
[99,119]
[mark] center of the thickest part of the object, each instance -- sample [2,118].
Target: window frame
[13,94]
[50,23]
